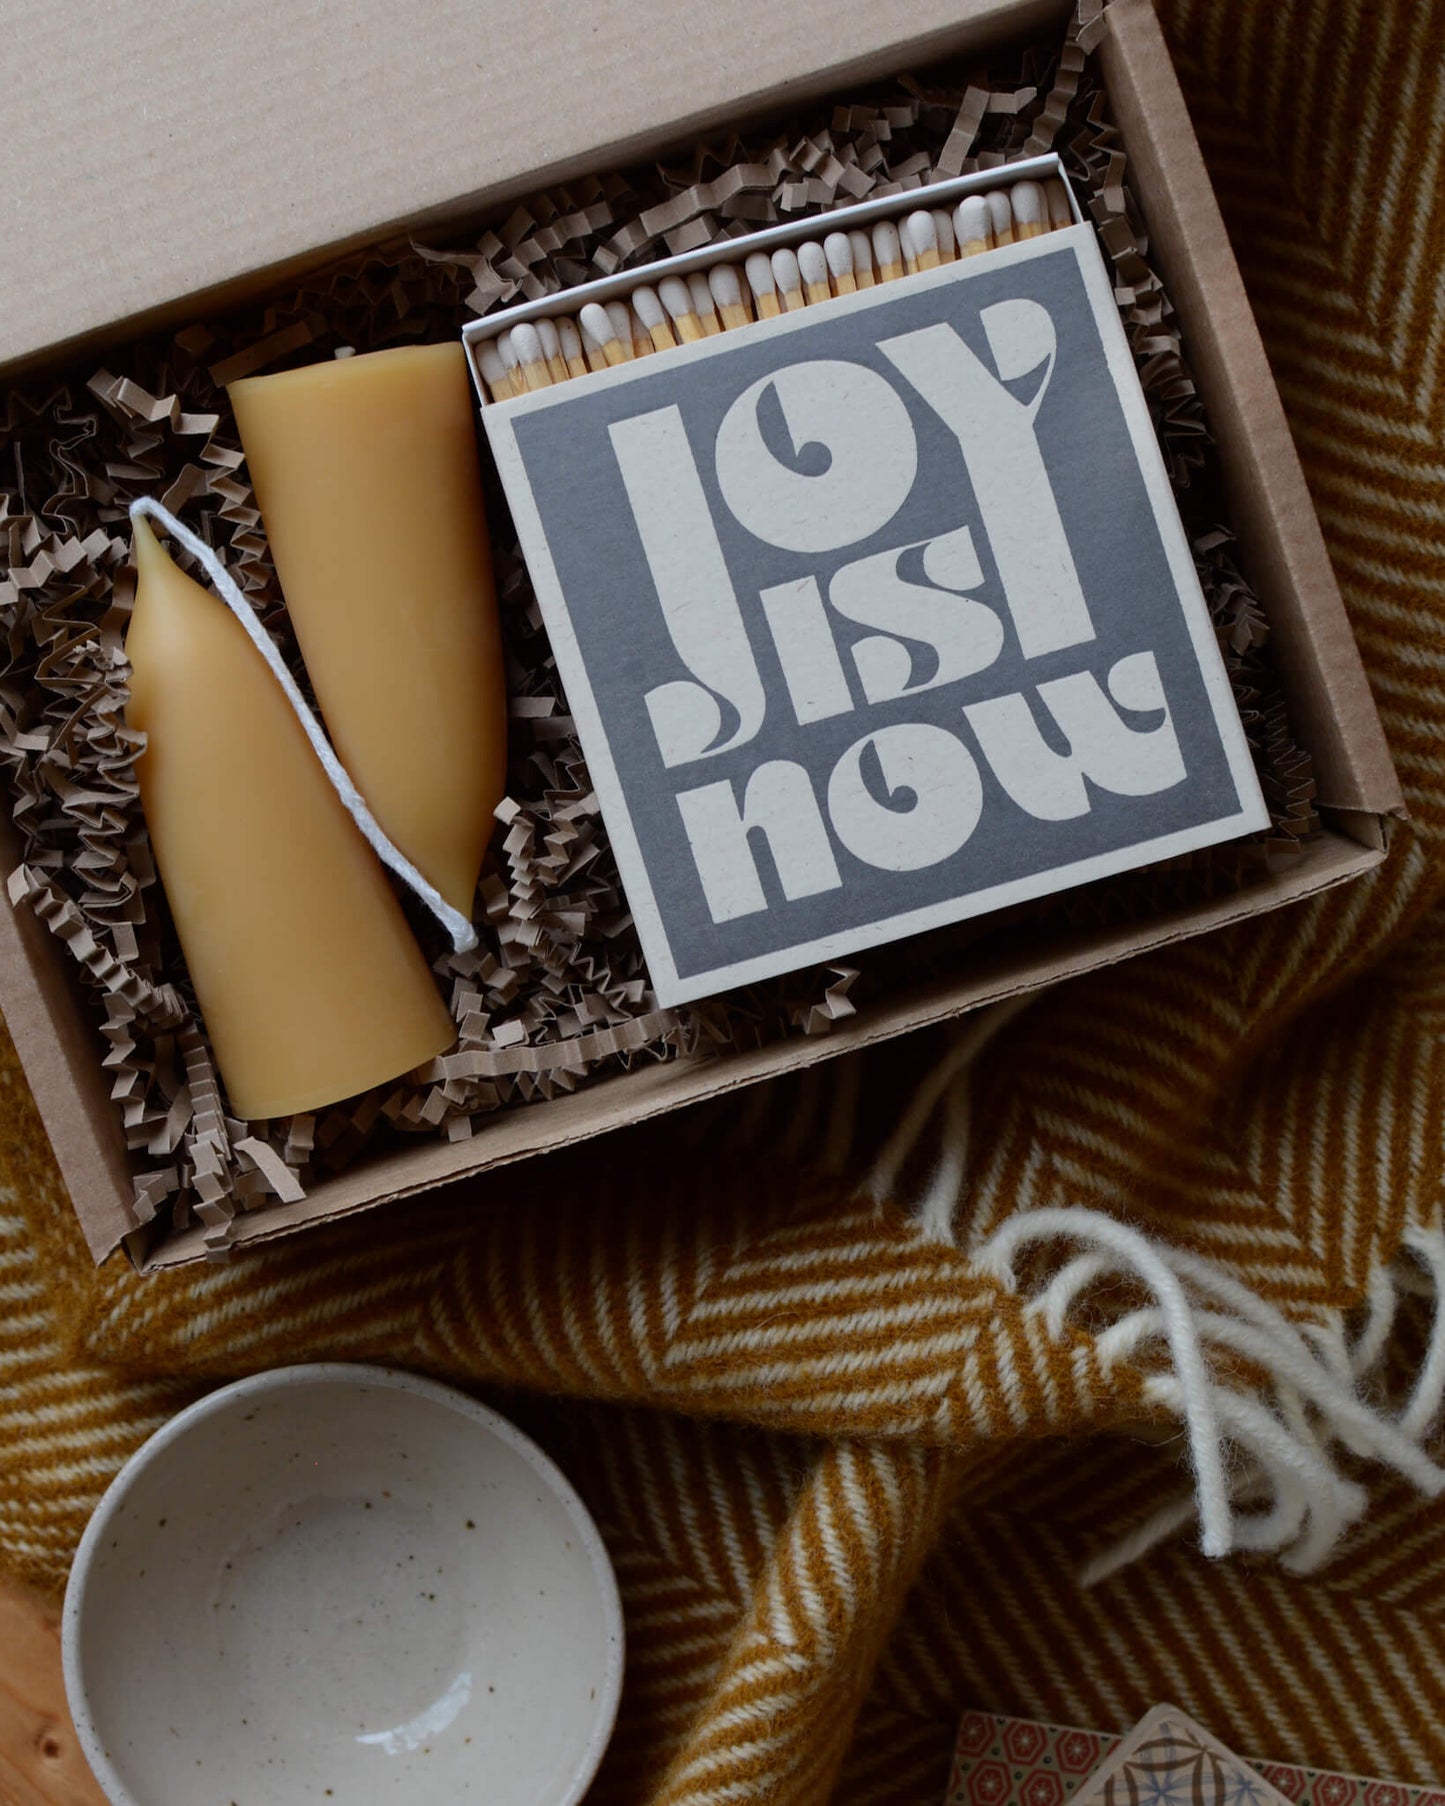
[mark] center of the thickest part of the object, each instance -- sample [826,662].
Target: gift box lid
[153,154]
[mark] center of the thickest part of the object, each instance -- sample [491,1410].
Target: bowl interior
[350,1587]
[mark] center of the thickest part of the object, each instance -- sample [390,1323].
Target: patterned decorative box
[1001,1761]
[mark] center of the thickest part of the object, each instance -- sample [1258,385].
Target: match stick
[620,314]
[653,316]
[1001,216]
[813,267]
[887,252]
[552,350]
[1057,196]
[592,347]
[862,248]
[494,372]
[702,305]
[910,243]
[570,342]
[919,238]
[642,345]
[789,279]
[972,226]
[727,291]
[838,250]
[527,343]
[759,271]
[508,353]
[676,297]
[1030,210]
[599,334]
[943,228]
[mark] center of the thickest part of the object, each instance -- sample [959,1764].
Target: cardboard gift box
[288,159]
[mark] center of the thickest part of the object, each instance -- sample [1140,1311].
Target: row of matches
[680,309]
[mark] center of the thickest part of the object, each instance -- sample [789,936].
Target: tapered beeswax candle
[309,981]
[366,474]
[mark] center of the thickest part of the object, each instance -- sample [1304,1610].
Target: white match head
[547,333]
[673,293]
[494,371]
[621,317]
[886,249]
[813,263]
[649,308]
[1029,206]
[507,350]
[569,340]
[786,272]
[527,343]
[919,235]
[727,291]
[972,220]
[1000,214]
[943,227]
[862,248]
[597,327]
[839,253]
[700,289]
[760,274]
[1057,196]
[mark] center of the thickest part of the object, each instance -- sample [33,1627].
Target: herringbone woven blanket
[864,1377]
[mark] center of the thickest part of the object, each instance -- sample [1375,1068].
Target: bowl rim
[363,1374]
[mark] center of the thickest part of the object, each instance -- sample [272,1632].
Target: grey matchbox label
[876,617]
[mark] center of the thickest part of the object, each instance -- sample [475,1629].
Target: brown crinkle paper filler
[557,992]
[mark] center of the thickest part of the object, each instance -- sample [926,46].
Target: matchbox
[877,615]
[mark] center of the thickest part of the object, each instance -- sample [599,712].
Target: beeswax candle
[310,984]
[366,474]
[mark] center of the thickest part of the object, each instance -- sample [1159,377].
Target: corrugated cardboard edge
[60,1049]
[629,1098]
[1283,549]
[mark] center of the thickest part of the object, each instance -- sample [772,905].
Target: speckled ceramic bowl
[342,1583]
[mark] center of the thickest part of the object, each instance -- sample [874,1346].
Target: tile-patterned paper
[1001,1761]
[1168,1760]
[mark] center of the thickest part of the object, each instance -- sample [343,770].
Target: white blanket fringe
[463,934]
[935,1213]
[1275,1449]
[1286,1442]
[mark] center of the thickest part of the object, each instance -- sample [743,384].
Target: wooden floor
[40,1760]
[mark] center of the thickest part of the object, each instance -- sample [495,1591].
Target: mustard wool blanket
[866,1376]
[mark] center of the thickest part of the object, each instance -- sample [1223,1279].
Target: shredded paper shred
[557,992]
